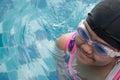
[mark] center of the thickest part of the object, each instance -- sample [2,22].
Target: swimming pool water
[28,30]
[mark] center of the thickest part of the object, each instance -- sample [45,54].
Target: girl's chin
[85,60]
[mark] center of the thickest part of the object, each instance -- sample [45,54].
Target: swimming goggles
[99,48]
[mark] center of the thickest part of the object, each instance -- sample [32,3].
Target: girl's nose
[87,48]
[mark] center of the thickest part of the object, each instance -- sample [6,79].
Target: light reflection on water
[28,30]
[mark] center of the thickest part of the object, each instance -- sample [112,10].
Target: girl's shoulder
[61,41]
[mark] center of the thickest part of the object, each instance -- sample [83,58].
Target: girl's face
[86,53]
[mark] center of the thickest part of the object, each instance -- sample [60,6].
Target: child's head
[103,26]
[91,49]
[104,20]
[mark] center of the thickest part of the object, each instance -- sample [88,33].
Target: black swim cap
[104,19]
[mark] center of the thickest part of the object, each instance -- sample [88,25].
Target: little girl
[92,51]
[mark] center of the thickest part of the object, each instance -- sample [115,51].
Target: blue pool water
[28,30]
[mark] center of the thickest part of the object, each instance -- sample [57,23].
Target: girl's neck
[94,72]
